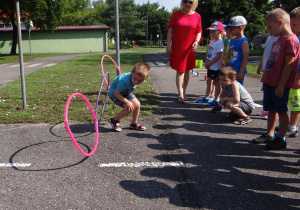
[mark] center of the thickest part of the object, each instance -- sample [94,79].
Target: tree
[7,8]
[223,10]
[81,12]
[287,5]
[45,14]
[158,20]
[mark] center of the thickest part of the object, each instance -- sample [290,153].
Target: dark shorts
[120,103]
[272,102]
[213,74]
[245,107]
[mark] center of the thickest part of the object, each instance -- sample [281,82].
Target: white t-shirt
[267,50]
[213,49]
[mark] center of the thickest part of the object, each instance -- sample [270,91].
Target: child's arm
[222,97]
[258,71]
[297,82]
[289,62]
[245,51]
[214,60]
[127,104]
[235,94]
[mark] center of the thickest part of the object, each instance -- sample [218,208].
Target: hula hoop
[116,65]
[99,94]
[69,129]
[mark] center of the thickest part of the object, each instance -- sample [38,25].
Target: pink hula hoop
[69,129]
[102,70]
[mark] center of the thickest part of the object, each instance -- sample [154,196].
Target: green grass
[47,91]
[256,52]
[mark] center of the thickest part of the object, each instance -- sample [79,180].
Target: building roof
[66,28]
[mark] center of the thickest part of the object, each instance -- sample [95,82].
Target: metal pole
[29,43]
[21,54]
[117,34]
[147,23]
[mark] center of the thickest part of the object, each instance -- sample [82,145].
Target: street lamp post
[29,28]
[147,23]
[117,33]
[21,54]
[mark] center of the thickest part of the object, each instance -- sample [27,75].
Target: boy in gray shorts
[234,96]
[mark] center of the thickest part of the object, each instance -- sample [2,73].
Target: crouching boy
[234,96]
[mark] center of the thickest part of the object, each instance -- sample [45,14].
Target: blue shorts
[120,103]
[272,102]
[213,74]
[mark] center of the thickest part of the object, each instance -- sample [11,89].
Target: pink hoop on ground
[69,129]
[102,70]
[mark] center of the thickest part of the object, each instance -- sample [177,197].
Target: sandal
[137,126]
[114,125]
[242,121]
[181,100]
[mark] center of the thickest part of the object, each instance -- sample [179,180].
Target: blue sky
[168,4]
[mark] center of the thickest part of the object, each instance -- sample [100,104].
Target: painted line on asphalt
[36,64]
[150,64]
[50,64]
[12,66]
[161,64]
[141,164]
[11,165]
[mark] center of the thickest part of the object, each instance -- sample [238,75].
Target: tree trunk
[13,50]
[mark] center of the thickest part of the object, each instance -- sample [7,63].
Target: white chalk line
[141,164]
[11,165]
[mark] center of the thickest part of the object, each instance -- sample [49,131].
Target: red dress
[186,27]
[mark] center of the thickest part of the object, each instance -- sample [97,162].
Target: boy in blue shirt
[121,94]
[238,47]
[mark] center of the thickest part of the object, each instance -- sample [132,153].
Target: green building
[66,39]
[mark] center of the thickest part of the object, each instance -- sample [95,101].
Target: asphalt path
[188,158]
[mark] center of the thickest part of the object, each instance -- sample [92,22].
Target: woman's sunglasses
[188,2]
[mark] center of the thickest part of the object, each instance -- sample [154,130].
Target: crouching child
[234,96]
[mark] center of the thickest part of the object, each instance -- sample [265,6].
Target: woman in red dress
[184,34]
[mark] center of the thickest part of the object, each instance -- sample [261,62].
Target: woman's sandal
[137,126]
[114,125]
[181,100]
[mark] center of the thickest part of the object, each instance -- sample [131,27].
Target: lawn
[47,91]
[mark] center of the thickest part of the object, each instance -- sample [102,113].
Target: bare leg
[294,117]
[136,111]
[179,83]
[272,118]
[217,89]
[208,88]
[234,107]
[283,123]
[186,80]
[125,112]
